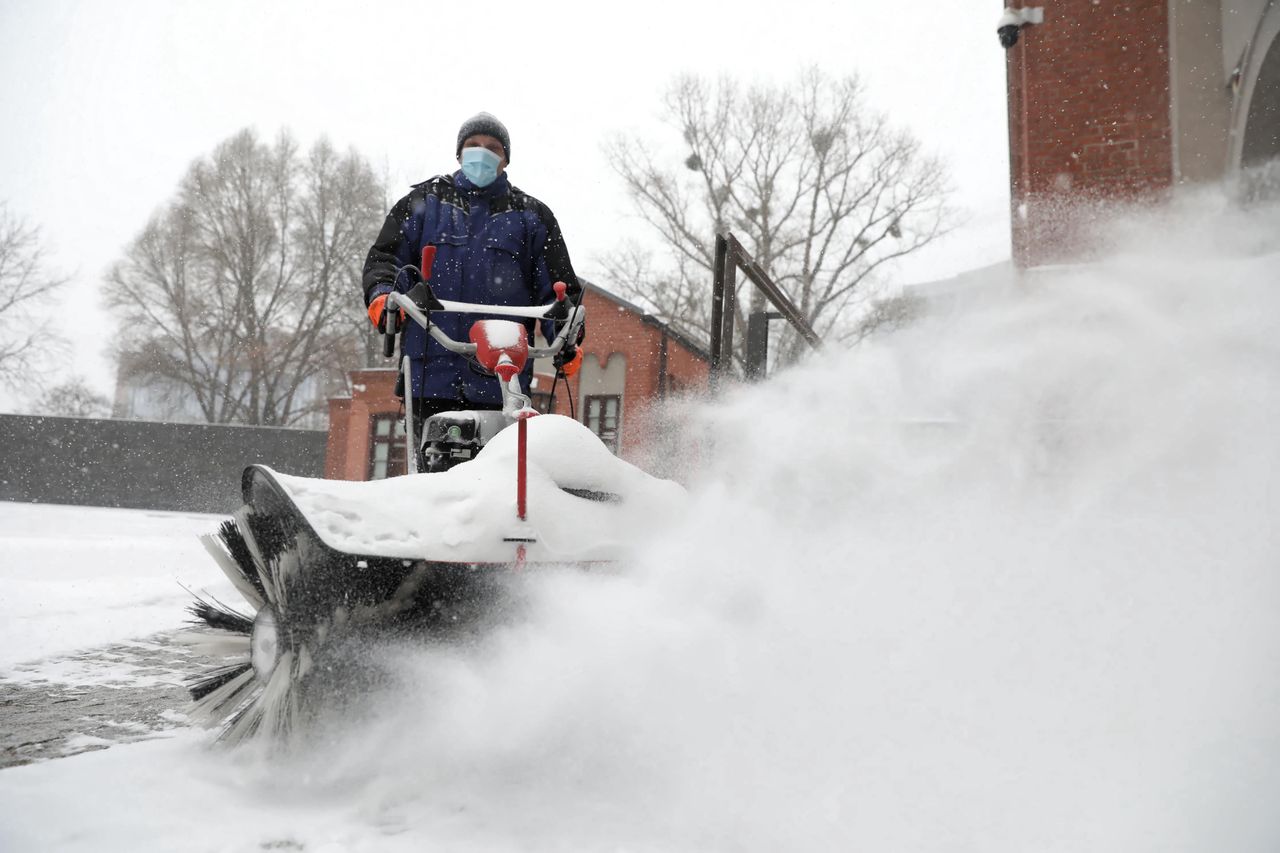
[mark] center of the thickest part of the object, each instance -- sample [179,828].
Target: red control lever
[428,258]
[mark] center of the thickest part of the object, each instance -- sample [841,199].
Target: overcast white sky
[104,104]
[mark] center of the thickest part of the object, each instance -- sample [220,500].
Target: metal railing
[729,258]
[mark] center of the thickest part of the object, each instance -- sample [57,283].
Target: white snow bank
[75,577]
[465,514]
[172,794]
[161,794]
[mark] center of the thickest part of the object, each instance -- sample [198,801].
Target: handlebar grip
[390,313]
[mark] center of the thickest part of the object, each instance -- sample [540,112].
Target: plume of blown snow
[1004,580]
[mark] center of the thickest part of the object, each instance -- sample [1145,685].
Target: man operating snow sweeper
[333,568]
[495,245]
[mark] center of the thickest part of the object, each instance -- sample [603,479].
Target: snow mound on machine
[468,514]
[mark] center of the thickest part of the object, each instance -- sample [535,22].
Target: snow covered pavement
[90,601]
[72,578]
[93,699]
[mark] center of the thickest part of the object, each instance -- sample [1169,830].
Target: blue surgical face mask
[480,165]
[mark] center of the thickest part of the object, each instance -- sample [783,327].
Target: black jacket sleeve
[555,259]
[556,253]
[386,256]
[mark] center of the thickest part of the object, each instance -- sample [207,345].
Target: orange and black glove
[377,308]
[568,360]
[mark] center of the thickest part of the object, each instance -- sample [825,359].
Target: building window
[601,414]
[386,447]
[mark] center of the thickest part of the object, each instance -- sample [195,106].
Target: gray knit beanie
[488,125]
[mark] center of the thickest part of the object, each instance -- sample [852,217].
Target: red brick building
[630,362]
[1115,101]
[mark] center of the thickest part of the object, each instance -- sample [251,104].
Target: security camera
[1007,28]
[1013,20]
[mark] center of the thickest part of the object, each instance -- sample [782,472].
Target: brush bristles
[255,555]
[234,542]
[215,644]
[243,576]
[203,685]
[216,615]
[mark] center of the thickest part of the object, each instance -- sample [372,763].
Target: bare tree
[820,190]
[884,315]
[26,332]
[242,295]
[73,399]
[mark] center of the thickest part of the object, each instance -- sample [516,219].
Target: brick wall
[615,327]
[1089,119]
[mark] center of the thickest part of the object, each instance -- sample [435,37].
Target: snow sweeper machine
[325,566]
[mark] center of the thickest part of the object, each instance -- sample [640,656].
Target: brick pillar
[347,453]
[1089,120]
[335,455]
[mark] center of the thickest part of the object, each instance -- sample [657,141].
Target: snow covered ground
[76,577]
[1006,580]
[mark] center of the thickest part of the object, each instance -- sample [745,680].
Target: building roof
[648,319]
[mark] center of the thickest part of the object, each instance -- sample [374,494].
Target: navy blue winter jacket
[494,245]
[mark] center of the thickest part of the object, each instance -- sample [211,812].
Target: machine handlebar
[419,310]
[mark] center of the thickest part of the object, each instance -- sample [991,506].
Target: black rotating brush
[258,689]
[314,612]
